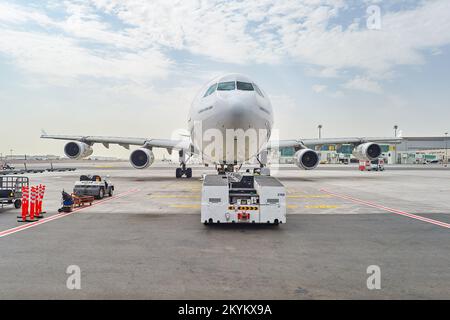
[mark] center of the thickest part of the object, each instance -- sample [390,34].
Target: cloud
[59,56]
[17,15]
[318,88]
[271,32]
[363,84]
[135,39]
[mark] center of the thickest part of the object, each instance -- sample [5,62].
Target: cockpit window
[244,86]
[258,90]
[210,90]
[226,86]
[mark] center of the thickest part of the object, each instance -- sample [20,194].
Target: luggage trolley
[11,190]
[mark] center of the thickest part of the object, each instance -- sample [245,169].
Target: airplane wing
[301,144]
[354,140]
[168,144]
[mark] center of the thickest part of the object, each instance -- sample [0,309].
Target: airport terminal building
[412,150]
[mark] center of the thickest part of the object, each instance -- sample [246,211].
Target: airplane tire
[189,173]
[178,173]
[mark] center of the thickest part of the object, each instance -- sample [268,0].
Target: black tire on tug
[18,204]
[178,173]
[189,173]
[110,193]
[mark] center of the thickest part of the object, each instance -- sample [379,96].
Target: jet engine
[367,151]
[306,159]
[142,158]
[77,150]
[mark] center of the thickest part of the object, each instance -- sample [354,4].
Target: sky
[132,67]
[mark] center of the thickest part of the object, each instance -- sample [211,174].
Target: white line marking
[60,215]
[374,205]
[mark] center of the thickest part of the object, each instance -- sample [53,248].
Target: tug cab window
[245,86]
[258,90]
[226,86]
[210,90]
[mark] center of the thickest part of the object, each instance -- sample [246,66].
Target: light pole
[395,146]
[320,131]
[446,148]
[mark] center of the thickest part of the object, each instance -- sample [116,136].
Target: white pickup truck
[93,186]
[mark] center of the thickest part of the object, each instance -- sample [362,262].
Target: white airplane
[230,103]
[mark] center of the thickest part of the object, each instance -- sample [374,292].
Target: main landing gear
[183,171]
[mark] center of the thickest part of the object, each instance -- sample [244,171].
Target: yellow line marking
[307,196]
[103,166]
[321,206]
[292,206]
[173,196]
[185,206]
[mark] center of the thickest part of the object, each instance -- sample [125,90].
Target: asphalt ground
[147,242]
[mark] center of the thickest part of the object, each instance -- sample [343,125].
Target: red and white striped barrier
[32,199]
[39,196]
[25,200]
[31,218]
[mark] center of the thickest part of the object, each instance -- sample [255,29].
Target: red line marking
[60,215]
[374,205]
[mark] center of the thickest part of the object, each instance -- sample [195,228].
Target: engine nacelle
[77,150]
[367,151]
[142,158]
[306,159]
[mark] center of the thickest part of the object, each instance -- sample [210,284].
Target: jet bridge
[243,198]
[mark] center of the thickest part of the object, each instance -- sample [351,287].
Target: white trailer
[243,198]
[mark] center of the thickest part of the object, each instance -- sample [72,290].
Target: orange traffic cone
[39,194]
[23,216]
[42,199]
[32,205]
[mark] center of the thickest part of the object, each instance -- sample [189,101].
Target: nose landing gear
[223,169]
[183,171]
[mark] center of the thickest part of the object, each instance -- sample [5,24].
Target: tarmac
[147,241]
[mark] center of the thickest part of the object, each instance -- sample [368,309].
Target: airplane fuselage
[227,104]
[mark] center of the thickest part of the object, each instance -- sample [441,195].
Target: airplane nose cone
[239,114]
[239,110]
[236,109]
